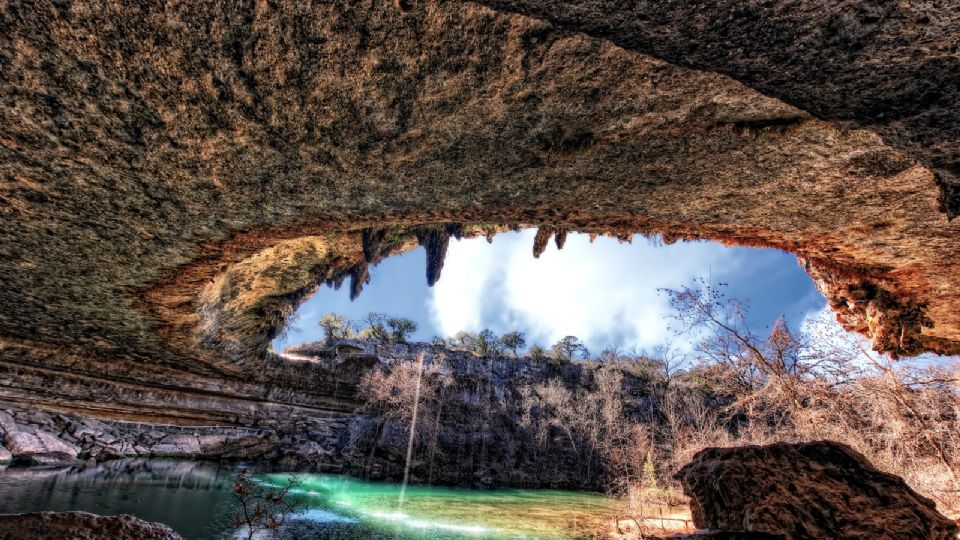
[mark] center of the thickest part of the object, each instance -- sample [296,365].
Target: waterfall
[413,430]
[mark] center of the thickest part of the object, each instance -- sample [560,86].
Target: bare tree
[263,508]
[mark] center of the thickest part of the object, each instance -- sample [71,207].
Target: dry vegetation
[630,421]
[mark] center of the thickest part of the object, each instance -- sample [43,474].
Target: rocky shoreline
[81,526]
[53,439]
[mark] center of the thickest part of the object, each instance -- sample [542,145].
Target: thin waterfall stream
[413,430]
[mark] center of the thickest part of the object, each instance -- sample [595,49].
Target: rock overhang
[175,180]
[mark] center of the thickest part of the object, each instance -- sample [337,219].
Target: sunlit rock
[821,490]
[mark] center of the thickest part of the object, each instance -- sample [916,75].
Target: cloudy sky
[606,293]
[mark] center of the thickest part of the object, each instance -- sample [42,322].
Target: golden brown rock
[820,490]
[175,178]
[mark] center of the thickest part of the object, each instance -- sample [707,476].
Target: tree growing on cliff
[537,352]
[569,348]
[400,329]
[376,327]
[513,341]
[487,343]
[462,341]
[335,327]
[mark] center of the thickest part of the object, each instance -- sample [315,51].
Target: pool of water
[427,512]
[195,499]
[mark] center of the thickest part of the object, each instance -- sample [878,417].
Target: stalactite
[359,276]
[593,237]
[541,239]
[337,281]
[372,240]
[435,241]
[455,229]
[561,237]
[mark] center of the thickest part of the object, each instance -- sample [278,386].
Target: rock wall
[32,437]
[476,439]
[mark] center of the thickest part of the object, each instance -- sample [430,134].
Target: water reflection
[192,498]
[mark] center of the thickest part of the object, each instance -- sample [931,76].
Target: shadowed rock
[81,526]
[891,67]
[359,276]
[140,167]
[435,240]
[561,237]
[372,239]
[820,490]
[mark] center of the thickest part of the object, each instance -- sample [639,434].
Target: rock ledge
[81,526]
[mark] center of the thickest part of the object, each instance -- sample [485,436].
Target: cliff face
[479,427]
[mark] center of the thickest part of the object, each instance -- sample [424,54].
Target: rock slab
[810,490]
[81,526]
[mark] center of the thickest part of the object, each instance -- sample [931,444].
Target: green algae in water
[346,504]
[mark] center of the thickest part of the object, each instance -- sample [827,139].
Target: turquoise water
[195,499]
[436,512]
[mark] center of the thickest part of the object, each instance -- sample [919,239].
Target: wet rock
[81,526]
[819,490]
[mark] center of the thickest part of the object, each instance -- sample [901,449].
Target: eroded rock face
[176,179]
[81,526]
[821,490]
[891,67]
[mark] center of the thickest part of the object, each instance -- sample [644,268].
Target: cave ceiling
[175,178]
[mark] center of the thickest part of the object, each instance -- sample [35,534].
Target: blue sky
[606,293]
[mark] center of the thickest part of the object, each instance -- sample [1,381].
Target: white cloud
[605,293]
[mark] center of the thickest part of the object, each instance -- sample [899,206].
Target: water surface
[195,499]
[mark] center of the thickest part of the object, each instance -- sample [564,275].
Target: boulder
[819,490]
[7,423]
[81,526]
[37,447]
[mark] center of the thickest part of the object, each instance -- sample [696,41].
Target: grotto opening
[177,178]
